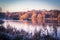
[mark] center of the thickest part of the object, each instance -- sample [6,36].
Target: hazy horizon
[24,5]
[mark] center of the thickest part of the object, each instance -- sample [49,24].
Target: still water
[28,27]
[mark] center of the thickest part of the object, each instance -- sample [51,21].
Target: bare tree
[0,9]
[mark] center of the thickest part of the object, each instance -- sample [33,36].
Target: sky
[24,5]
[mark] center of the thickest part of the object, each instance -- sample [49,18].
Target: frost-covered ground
[32,28]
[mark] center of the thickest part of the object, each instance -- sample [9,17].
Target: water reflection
[28,27]
[28,30]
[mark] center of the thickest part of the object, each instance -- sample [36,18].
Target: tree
[0,9]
